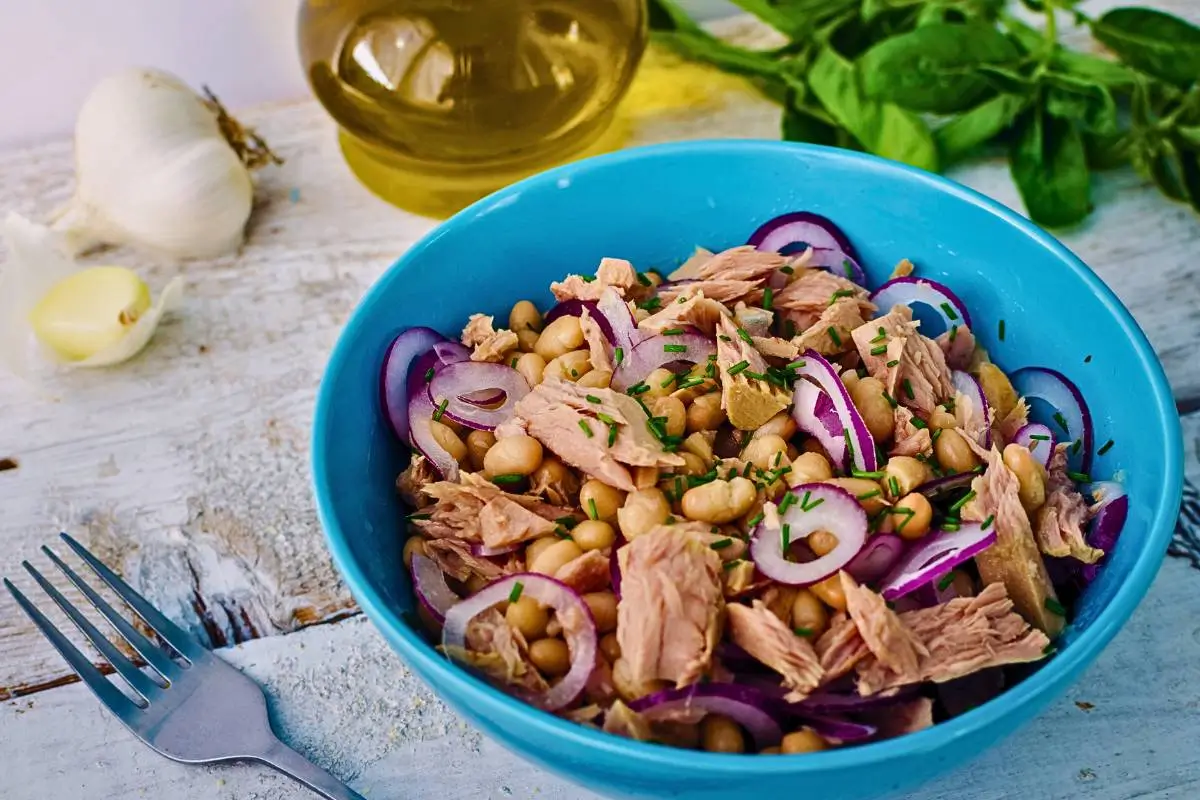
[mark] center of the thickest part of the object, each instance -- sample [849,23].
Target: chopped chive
[804,632]
[987,523]
[813,504]
[797,365]
[848,268]
[746,470]
[672,332]
[560,533]
[745,337]
[858,473]
[757,518]
[612,434]
[953,332]
[757,376]
[567,522]
[606,419]
[869,495]
[1002,330]
[908,390]
[933,437]
[441,409]
[574,374]
[643,280]
[1039,437]
[894,362]
[833,336]
[588,278]
[583,425]
[690,382]
[637,388]
[651,304]
[1061,421]
[919,423]
[787,270]
[778,458]
[893,486]
[728,565]
[962,501]
[945,582]
[949,309]
[513,363]
[880,338]
[592,512]
[618,355]
[1055,607]
[668,381]
[511,477]
[951,525]
[1079,477]
[591,398]
[787,536]
[682,300]
[786,502]
[429,375]
[670,520]
[515,594]
[721,544]
[738,367]
[879,350]
[724,338]
[1087,359]
[1105,448]
[768,298]
[1076,447]
[674,348]
[849,446]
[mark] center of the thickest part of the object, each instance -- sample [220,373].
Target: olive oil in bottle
[441,101]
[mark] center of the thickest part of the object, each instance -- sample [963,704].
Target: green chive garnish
[671,379]
[728,565]
[583,425]
[879,350]
[745,337]
[510,478]
[787,536]
[1055,607]
[987,523]
[945,582]
[567,522]
[651,304]
[674,348]
[786,502]
[441,409]
[618,355]
[858,473]
[848,268]
[953,332]
[738,367]
[606,419]
[592,512]
[1040,437]
[768,298]
[721,544]
[1061,421]
[1002,330]
[949,311]
[637,388]
[918,423]
[1076,447]
[757,518]
[908,390]
[833,336]
[1105,448]
[962,501]
[1079,477]
[804,632]
[515,594]
[894,362]
[786,270]
[891,400]
[672,332]
[429,375]
[612,434]
[513,363]
[643,280]
[757,376]
[893,485]
[591,398]
[869,495]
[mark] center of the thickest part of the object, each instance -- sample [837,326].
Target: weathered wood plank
[339,695]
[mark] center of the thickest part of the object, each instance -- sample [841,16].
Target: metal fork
[196,708]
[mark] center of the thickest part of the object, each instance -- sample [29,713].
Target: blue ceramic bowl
[654,205]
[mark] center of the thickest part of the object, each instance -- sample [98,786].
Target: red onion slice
[877,558]
[812,420]
[748,707]
[939,486]
[658,351]
[842,730]
[575,308]
[905,291]
[815,415]
[1039,439]
[420,415]
[829,702]
[454,383]
[934,556]
[1071,416]
[972,390]
[406,349]
[427,365]
[1111,511]
[566,602]
[817,507]
[622,327]
[838,262]
[429,584]
[800,228]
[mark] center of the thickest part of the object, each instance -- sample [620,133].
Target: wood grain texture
[339,695]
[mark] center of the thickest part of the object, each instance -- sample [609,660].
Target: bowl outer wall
[653,205]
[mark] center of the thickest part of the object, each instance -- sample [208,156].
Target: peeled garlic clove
[138,336]
[90,311]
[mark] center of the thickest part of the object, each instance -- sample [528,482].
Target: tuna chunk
[624,721]
[718,289]
[412,481]
[774,347]
[831,333]
[503,522]
[909,439]
[454,557]
[500,652]
[597,342]
[958,346]
[812,291]
[753,320]
[490,344]
[669,615]
[696,310]
[1016,419]
[458,513]
[917,376]
[893,645]
[840,648]
[1014,560]
[746,396]
[742,263]
[761,634]
[1060,521]
[690,269]
[560,416]
[587,573]
[972,424]
[615,272]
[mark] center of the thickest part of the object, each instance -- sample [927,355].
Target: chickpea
[459,430]
[561,336]
[604,610]
[850,377]
[593,534]
[721,735]
[699,445]
[529,617]
[1030,476]
[811,445]
[809,614]
[693,464]
[524,317]
[941,419]
[810,468]
[552,472]
[527,340]
[655,381]
[908,472]
[513,455]
[719,501]
[766,452]
[953,453]
[671,408]
[645,477]
[569,366]
[963,585]
[822,542]
[875,409]
[642,510]
[610,647]
[911,516]
[805,740]
[869,492]
[705,413]
[596,379]
[552,558]
[600,500]
[478,443]
[413,546]
[735,549]
[830,592]
[532,368]
[998,389]
[449,441]
[781,425]
[551,657]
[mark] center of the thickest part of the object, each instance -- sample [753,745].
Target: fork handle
[290,763]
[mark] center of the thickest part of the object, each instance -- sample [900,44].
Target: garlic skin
[40,301]
[154,170]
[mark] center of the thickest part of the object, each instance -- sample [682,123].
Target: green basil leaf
[882,128]
[1049,166]
[1154,42]
[1034,5]
[965,133]
[665,15]
[703,46]
[804,124]
[1009,81]
[1094,69]
[1189,167]
[1157,163]
[1106,151]
[932,68]
[1089,104]
[1189,135]
[1030,39]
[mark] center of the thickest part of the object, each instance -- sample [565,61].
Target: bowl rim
[1052,677]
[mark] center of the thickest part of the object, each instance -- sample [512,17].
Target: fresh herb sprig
[933,82]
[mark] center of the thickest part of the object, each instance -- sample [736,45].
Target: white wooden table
[187,470]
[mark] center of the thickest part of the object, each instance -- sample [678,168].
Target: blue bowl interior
[653,206]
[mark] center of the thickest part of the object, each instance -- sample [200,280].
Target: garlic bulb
[159,167]
[56,314]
